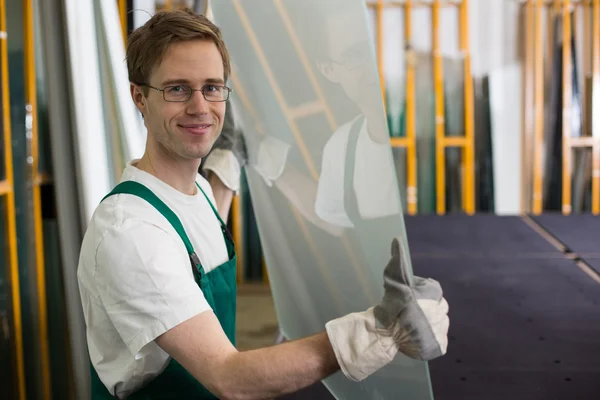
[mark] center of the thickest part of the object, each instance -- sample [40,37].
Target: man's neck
[177,173]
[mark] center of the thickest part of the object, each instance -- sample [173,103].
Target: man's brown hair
[148,44]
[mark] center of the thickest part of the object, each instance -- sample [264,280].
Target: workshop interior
[488,172]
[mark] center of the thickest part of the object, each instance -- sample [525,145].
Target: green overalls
[219,289]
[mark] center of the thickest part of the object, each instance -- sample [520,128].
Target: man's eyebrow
[187,82]
[215,80]
[175,82]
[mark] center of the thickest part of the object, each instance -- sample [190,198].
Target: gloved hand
[412,318]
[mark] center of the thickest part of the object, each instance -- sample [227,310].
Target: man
[157,266]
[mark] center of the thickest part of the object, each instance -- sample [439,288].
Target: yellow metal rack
[535,10]
[465,142]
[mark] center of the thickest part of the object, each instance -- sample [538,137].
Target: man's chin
[195,156]
[198,153]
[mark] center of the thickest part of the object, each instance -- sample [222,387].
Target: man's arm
[150,296]
[202,348]
[146,286]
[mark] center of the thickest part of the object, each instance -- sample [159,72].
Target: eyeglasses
[355,57]
[182,93]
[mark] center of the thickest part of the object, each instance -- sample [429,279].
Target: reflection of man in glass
[357,186]
[344,57]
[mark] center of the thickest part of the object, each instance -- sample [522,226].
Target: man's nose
[197,104]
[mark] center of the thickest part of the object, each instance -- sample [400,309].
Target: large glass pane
[322,176]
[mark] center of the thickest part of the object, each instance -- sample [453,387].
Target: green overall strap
[226,233]
[137,189]
[211,205]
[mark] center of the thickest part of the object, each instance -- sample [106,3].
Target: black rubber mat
[579,233]
[520,329]
[483,234]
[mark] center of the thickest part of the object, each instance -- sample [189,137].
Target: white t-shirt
[136,281]
[375,182]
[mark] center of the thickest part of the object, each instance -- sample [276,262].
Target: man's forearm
[278,370]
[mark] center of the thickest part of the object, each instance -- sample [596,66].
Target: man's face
[185,130]
[349,60]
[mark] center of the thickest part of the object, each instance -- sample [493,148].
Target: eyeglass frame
[362,61]
[192,90]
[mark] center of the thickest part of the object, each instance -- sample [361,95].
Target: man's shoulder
[127,232]
[120,208]
[339,139]
[120,215]
[124,212]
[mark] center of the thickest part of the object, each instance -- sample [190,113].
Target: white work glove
[412,319]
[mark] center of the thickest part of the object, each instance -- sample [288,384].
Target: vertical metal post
[438,79]
[411,147]
[587,55]
[11,214]
[528,76]
[538,143]
[33,160]
[595,114]
[468,154]
[123,18]
[236,222]
[265,271]
[566,108]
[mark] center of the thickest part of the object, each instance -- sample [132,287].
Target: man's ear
[326,69]
[138,97]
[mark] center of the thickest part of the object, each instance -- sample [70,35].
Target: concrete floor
[256,319]
[257,327]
